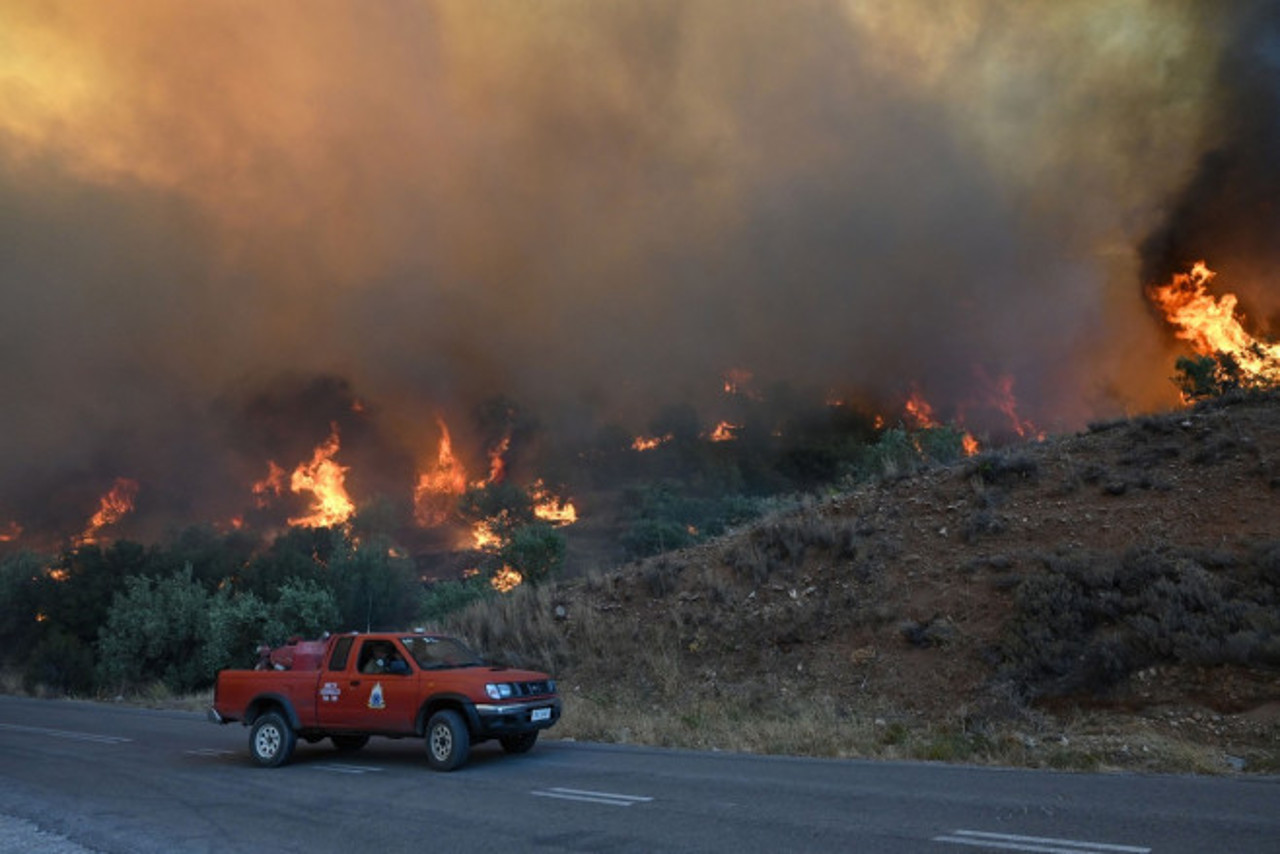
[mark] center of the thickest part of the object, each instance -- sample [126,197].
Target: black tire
[448,741]
[521,743]
[349,743]
[271,740]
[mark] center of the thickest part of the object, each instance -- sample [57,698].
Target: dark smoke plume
[226,228]
[1228,213]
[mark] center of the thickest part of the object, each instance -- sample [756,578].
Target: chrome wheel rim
[267,742]
[441,742]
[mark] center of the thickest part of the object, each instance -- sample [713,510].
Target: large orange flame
[1211,326]
[440,485]
[326,481]
[506,579]
[112,507]
[550,508]
[483,537]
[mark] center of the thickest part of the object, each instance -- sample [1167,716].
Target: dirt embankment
[1107,599]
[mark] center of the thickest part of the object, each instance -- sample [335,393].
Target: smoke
[595,208]
[1228,212]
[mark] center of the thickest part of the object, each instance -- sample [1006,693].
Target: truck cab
[390,684]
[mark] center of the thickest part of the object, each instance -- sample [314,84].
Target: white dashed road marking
[1036,844]
[608,798]
[348,769]
[63,733]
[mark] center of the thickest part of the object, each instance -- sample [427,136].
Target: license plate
[540,715]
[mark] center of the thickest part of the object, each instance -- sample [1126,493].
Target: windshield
[433,653]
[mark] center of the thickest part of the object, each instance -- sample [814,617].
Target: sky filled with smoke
[596,208]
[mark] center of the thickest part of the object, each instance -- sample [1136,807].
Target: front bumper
[498,719]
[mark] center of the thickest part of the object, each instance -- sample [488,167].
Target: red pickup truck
[352,686]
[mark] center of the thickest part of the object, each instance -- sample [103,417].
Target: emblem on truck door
[375,698]
[330,692]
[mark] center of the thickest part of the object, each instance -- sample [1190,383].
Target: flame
[10,533]
[483,537]
[497,465]
[549,508]
[1003,401]
[724,432]
[112,507]
[919,411]
[1211,325]
[58,575]
[648,443]
[506,579]
[271,485]
[326,481]
[439,485]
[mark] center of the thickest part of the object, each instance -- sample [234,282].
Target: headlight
[551,686]
[498,691]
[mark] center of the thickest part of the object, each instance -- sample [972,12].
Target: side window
[341,651]
[379,656]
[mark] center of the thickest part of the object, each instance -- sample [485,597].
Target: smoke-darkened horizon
[226,228]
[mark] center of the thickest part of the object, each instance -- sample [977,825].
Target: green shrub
[536,551]
[446,597]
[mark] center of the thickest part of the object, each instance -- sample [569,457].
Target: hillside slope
[1107,599]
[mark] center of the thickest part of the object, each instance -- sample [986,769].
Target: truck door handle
[355,682]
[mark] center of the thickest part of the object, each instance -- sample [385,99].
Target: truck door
[374,691]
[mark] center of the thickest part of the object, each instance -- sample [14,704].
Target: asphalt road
[113,779]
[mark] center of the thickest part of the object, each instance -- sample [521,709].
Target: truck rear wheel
[448,741]
[271,740]
[521,743]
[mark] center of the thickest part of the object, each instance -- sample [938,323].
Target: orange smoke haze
[593,206]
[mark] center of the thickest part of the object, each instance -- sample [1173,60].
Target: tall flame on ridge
[440,484]
[1210,324]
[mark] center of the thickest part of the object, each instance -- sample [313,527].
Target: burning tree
[1227,356]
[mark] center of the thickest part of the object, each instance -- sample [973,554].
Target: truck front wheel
[448,741]
[271,740]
